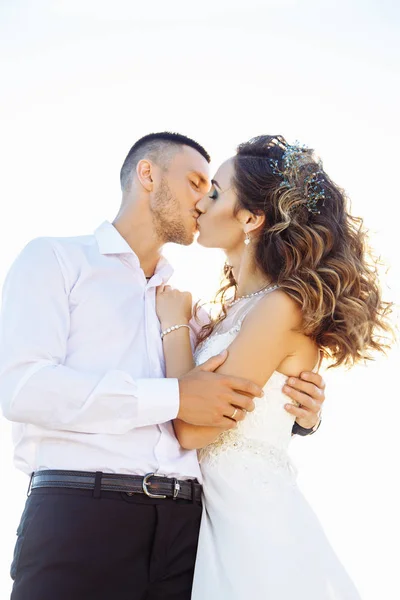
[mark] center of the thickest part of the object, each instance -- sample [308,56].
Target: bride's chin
[205,243]
[200,240]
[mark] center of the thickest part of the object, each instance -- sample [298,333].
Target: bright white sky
[83,79]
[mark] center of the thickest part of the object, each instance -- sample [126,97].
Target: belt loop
[28,493]
[97,485]
[192,484]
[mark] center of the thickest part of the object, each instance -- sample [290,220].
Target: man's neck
[140,235]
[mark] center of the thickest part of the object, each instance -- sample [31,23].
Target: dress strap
[249,305]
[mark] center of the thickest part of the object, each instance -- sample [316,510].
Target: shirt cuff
[158,400]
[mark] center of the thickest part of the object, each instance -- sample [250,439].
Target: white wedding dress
[259,539]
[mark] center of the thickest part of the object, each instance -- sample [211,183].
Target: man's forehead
[193,162]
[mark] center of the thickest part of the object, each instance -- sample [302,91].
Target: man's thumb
[214,362]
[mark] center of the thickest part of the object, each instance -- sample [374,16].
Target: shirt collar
[163,271]
[110,241]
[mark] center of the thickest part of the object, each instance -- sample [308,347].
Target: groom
[115,504]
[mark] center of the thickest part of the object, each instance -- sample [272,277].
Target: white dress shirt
[82,372]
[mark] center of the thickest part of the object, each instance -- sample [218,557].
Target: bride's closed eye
[214,195]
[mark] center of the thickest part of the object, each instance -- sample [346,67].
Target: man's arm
[36,387]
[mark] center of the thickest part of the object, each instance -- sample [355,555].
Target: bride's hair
[311,247]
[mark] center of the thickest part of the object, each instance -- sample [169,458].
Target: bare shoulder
[278,318]
[276,310]
[266,338]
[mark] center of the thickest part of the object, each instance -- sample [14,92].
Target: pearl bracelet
[173,328]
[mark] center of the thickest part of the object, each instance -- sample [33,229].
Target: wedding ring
[234,414]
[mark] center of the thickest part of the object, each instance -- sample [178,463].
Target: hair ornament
[294,158]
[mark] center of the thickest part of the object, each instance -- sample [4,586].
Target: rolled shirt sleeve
[37,388]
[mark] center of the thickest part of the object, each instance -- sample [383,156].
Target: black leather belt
[152,484]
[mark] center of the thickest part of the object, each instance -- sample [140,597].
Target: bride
[298,289]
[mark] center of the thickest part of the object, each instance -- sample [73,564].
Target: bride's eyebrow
[216,184]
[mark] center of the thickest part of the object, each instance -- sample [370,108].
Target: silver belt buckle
[177,488]
[146,483]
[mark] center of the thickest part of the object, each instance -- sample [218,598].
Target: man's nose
[201,205]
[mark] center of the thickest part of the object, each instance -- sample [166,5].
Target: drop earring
[247,239]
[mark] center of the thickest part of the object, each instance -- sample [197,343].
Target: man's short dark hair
[159,147]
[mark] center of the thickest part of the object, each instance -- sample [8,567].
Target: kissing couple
[155,435]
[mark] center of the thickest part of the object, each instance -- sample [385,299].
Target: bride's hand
[172,306]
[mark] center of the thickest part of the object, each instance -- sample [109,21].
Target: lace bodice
[267,430]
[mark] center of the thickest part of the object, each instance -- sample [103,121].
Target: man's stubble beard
[167,218]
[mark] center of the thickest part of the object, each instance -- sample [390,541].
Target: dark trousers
[73,546]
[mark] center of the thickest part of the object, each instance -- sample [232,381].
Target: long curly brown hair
[315,251]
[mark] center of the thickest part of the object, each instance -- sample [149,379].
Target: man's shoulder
[65,253]
[71,244]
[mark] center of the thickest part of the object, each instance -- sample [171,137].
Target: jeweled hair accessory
[294,159]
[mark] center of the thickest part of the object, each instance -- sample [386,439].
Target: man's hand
[208,398]
[309,394]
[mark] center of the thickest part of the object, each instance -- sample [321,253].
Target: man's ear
[144,174]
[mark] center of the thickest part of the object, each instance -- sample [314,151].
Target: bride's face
[218,226]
